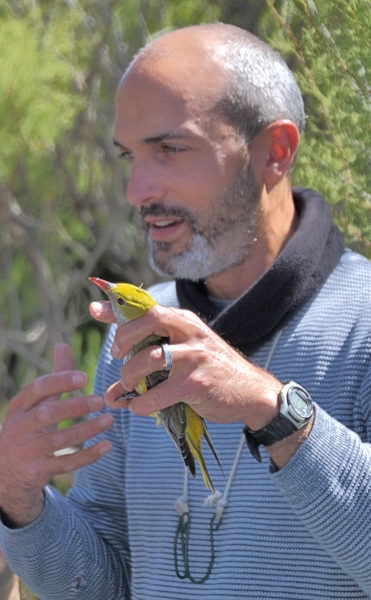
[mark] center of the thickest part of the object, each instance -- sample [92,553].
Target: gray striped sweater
[303,532]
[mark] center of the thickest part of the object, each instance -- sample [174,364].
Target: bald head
[183,61]
[229,70]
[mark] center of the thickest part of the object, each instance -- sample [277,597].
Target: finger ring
[168,357]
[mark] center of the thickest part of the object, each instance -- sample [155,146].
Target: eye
[171,149]
[120,301]
[126,155]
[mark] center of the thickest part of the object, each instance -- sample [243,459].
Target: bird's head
[128,301]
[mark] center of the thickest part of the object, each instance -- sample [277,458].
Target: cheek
[198,182]
[199,190]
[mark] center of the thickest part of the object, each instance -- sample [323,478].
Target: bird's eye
[120,301]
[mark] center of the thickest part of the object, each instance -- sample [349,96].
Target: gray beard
[200,260]
[224,242]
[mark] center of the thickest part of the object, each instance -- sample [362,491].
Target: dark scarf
[299,271]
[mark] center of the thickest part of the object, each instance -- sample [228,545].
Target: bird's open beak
[102,284]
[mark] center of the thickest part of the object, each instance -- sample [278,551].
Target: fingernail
[79,378]
[97,307]
[95,403]
[105,447]
[105,420]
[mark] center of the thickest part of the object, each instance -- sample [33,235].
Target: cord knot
[213,499]
[181,505]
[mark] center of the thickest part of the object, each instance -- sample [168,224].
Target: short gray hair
[260,87]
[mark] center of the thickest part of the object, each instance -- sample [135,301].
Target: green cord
[182,547]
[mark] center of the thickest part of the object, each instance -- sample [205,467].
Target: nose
[144,185]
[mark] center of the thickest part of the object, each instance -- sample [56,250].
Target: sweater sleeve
[62,556]
[328,484]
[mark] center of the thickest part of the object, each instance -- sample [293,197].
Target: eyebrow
[157,139]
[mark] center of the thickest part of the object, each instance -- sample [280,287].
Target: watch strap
[278,429]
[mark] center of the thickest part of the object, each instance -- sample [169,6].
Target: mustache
[158,210]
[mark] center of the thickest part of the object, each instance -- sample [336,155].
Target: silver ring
[168,357]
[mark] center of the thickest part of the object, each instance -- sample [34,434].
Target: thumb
[102,311]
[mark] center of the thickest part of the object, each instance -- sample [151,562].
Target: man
[209,120]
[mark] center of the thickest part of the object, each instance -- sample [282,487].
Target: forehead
[142,103]
[166,91]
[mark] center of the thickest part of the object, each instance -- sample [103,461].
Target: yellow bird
[184,426]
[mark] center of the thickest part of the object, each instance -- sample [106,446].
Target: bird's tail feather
[178,437]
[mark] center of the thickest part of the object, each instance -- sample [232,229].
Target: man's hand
[216,380]
[208,374]
[29,438]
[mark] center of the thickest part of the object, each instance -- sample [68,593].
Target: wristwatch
[296,410]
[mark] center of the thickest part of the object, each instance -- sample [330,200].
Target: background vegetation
[63,214]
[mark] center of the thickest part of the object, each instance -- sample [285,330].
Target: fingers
[46,386]
[150,360]
[147,361]
[28,447]
[118,395]
[102,311]
[208,374]
[157,398]
[68,463]
[44,471]
[29,464]
[29,437]
[133,373]
[52,411]
[27,441]
[173,323]
[53,441]
[177,325]
[63,358]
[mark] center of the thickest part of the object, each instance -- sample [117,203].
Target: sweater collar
[299,271]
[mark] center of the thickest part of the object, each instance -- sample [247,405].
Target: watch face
[301,402]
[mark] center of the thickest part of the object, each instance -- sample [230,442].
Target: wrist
[267,407]
[295,413]
[17,514]
[282,452]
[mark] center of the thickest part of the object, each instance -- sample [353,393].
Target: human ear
[282,138]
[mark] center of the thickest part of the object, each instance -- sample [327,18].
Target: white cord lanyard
[219,500]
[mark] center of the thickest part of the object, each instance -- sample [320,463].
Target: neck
[230,284]
[275,229]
